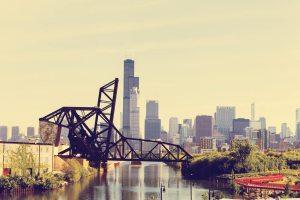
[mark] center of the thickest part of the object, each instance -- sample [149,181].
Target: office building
[253,112]
[130,81]
[207,144]
[164,136]
[298,124]
[152,121]
[15,133]
[263,123]
[263,139]
[239,126]
[173,129]
[3,133]
[30,131]
[189,123]
[255,125]
[134,114]
[284,130]
[203,126]
[183,132]
[298,131]
[224,117]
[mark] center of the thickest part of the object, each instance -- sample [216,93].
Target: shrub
[7,183]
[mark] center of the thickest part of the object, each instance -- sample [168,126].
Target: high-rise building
[130,81]
[239,126]
[134,114]
[255,125]
[152,109]
[3,133]
[224,118]
[189,123]
[173,129]
[263,123]
[30,131]
[203,126]
[164,136]
[298,124]
[298,131]
[183,132]
[253,112]
[15,133]
[284,130]
[263,139]
[152,121]
[297,115]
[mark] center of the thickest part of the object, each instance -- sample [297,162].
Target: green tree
[242,149]
[21,160]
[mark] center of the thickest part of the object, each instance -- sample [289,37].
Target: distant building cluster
[205,132]
[14,134]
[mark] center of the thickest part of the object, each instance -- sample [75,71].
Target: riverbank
[48,181]
[244,160]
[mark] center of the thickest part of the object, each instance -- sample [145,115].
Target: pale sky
[190,56]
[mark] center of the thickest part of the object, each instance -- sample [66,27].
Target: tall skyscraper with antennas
[130,82]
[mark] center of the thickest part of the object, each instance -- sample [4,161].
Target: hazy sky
[190,55]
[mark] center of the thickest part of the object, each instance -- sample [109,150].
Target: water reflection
[127,182]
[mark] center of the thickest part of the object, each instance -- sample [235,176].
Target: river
[128,182]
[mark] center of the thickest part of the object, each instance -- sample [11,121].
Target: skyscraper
[173,128]
[263,123]
[253,112]
[298,131]
[130,81]
[183,133]
[3,133]
[224,119]
[30,131]
[298,124]
[284,130]
[152,121]
[239,126]
[15,133]
[297,115]
[189,123]
[134,114]
[203,126]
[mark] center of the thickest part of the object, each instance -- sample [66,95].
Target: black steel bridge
[93,135]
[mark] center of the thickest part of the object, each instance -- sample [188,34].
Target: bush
[7,183]
[47,182]
[75,171]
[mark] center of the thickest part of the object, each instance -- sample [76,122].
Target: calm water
[128,182]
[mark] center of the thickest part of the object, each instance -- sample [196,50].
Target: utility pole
[191,189]
[162,189]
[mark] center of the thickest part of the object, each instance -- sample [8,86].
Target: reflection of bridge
[93,135]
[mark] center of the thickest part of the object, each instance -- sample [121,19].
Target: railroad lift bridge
[94,137]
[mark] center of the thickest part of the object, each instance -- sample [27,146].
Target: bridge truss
[94,137]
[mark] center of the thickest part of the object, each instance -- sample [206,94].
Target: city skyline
[231,53]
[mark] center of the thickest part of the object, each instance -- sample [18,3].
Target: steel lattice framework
[93,135]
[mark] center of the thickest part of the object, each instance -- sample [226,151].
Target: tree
[242,149]
[21,160]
